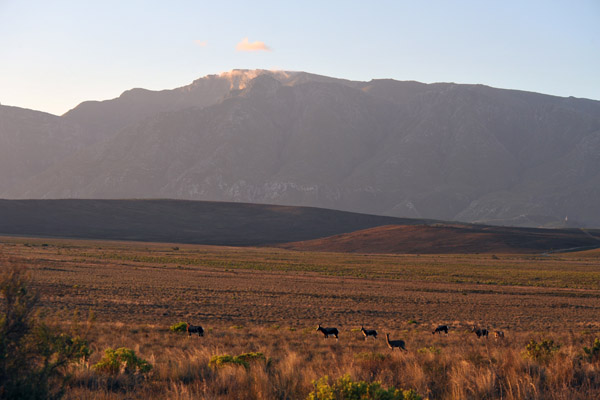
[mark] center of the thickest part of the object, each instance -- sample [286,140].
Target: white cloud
[245,45]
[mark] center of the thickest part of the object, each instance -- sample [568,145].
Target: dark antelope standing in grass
[399,344]
[328,331]
[480,332]
[194,329]
[368,332]
[440,329]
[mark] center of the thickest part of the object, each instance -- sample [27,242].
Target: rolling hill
[451,239]
[179,221]
[297,228]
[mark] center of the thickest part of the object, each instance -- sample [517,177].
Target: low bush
[243,359]
[430,349]
[542,351]
[225,359]
[593,353]
[179,327]
[34,357]
[250,357]
[366,356]
[122,360]
[347,389]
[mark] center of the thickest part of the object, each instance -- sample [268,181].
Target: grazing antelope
[480,331]
[499,334]
[399,344]
[440,329]
[194,329]
[328,331]
[368,332]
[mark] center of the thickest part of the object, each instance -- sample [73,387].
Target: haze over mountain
[445,151]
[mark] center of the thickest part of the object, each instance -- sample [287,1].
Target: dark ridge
[180,221]
[298,228]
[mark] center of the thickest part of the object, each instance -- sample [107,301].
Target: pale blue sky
[56,54]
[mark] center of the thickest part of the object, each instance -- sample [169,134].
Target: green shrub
[430,349]
[593,353]
[243,359]
[122,359]
[369,356]
[347,389]
[226,359]
[250,357]
[34,357]
[542,351]
[179,327]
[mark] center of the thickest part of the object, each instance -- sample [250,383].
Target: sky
[56,54]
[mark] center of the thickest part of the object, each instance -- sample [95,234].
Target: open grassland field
[270,300]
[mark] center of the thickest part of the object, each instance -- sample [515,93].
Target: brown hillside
[438,238]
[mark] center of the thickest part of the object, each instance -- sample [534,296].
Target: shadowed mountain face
[443,151]
[32,142]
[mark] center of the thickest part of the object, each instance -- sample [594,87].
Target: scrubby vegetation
[293,364]
[347,389]
[541,351]
[243,360]
[122,360]
[593,353]
[179,327]
[34,356]
[260,340]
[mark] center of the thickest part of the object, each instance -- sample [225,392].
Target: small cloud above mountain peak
[246,45]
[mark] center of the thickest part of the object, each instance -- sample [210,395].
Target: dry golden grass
[270,300]
[457,366]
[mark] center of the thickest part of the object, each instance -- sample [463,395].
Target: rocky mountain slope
[444,151]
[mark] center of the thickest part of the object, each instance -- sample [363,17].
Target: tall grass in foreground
[457,366]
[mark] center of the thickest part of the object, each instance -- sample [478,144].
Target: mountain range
[441,151]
